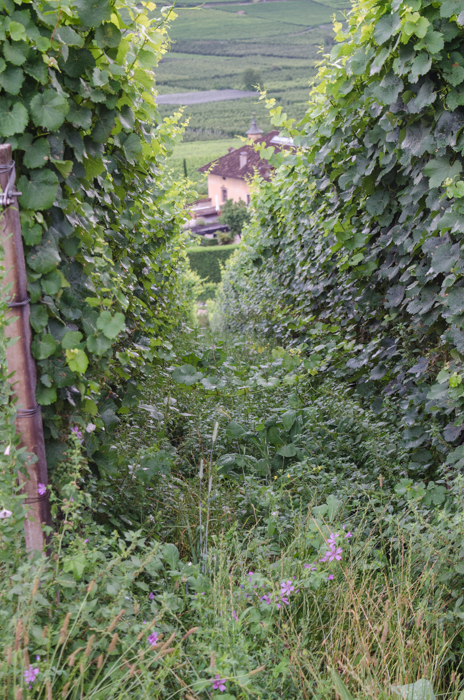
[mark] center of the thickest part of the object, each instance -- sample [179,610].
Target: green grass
[196,154]
[298,12]
[201,24]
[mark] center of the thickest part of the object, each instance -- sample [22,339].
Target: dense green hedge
[100,216]
[356,247]
[206,261]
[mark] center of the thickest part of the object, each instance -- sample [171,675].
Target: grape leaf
[38,317]
[16,52]
[12,79]
[110,325]
[71,340]
[132,147]
[43,346]
[439,169]
[93,12]
[68,36]
[13,117]
[77,360]
[386,27]
[107,35]
[49,109]
[40,191]
[37,154]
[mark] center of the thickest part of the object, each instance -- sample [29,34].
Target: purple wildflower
[348,535]
[77,433]
[30,675]
[234,615]
[250,574]
[335,554]
[286,587]
[219,683]
[152,596]
[41,489]
[85,541]
[266,599]
[330,577]
[332,539]
[153,639]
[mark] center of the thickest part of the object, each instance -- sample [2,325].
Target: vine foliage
[355,247]
[100,216]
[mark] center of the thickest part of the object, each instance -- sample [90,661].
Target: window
[224,194]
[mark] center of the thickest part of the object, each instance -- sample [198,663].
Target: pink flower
[30,675]
[332,539]
[348,535]
[335,554]
[266,599]
[330,577]
[234,615]
[219,683]
[287,587]
[152,596]
[153,639]
[41,489]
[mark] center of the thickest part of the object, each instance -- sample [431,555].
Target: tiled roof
[229,165]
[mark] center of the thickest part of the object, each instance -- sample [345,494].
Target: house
[230,175]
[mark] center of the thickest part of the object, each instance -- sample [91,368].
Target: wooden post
[19,357]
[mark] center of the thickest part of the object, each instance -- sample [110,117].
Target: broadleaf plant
[355,245]
[100,215]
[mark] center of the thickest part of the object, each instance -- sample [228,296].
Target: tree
[235,215]
[252,78]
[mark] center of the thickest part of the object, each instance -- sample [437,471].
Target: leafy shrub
[99,215]
[235,215]
[251,78]
[206,261]
[354,247]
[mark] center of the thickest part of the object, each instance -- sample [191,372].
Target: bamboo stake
[20,360]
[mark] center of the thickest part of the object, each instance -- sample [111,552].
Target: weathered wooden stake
[19,357]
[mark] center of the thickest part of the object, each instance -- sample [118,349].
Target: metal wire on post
[21,364]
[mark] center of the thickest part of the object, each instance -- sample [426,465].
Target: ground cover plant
[269,539]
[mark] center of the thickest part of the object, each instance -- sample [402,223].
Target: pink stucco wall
[235,189]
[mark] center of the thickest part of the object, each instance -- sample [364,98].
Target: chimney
[243,159]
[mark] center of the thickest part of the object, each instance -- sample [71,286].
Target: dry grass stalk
[91,586]
[114,641]
[49,690]
[191,631]
[9,655]
[212,661]
[18,634]
[72,658]
[100,661]
[116,620]
[35,587]
[45,632]
[168,641]
[19,694]
[385,631]
[26,658]
[66,689]
[164,652]
[88,648]
[64,629]
[257,670]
